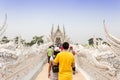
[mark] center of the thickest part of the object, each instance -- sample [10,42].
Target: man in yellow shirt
[66,62]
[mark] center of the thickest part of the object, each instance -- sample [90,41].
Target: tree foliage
[16,39]
[36,40]
[91,41]
[5,40]
[106,43]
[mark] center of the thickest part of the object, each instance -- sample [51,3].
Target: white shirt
[54,76]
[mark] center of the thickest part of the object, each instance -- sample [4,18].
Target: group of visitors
[61,62]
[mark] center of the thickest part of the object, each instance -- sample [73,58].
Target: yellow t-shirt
[65,60]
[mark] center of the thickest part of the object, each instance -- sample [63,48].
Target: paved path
[43,74]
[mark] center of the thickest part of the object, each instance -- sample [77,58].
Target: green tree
[5,39]
[91,41]
[106,43]
[16,39]
[38,39]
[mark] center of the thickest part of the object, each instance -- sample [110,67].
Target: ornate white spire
[52,29]
[58,36]
[3,27]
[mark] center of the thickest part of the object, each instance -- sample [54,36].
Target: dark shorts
[48,59]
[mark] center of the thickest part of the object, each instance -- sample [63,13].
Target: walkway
[43,74]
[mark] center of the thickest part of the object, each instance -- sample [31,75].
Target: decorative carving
[3,27]
[58,36]
[113,41]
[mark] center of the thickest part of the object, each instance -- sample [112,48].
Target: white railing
[26,65]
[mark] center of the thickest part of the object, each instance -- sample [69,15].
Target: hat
[71,47]
[56,49]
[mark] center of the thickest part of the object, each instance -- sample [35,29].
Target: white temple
[58,36]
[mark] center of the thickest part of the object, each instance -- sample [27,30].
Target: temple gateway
[58,36]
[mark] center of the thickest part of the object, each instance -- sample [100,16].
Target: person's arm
[56,60]
[55,63]
[73,63]
[73,52]
[47,52]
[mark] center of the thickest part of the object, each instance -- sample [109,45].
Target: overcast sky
[82,18]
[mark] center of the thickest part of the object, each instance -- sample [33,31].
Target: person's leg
[73,70]
[48,59]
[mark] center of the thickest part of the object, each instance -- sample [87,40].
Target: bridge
[43,74]
[30,63]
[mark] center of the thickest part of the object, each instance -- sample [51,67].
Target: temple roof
[58,34]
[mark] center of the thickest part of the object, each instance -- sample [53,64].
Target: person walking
[49,52]
[66,62]
[73,52]
[52,74]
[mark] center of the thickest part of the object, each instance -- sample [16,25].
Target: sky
[82,19]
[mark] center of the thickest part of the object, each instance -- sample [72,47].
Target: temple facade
[58,36]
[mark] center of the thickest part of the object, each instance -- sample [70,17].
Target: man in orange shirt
[66,63]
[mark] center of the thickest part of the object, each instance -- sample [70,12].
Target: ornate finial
[52,28]
[104,21]
[64,29]
[4,22]
[3,27]
[5,19]
[52,33]
[58,28]
[64,34]
[104,26]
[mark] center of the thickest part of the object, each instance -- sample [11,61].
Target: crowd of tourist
[61,62]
